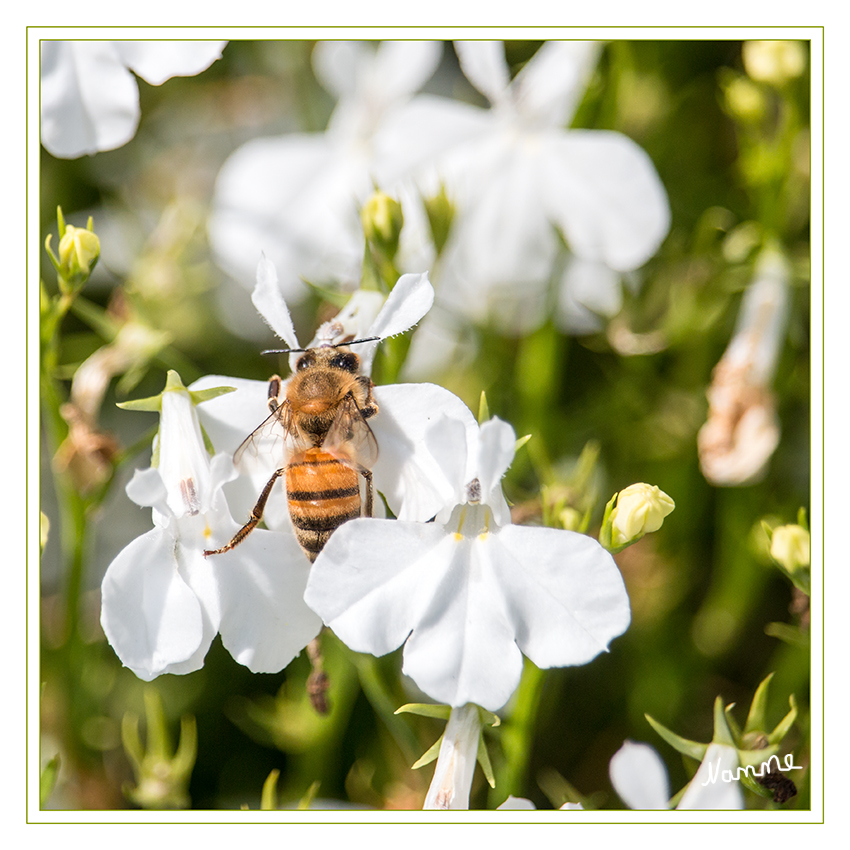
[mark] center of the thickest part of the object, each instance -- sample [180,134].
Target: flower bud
[382,221]
[790,546]
[440,211]
[79,250]
[639,509]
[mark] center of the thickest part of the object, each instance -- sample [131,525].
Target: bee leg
[256,516]
[367,477]
[317,681]
[274,392]
[370,406]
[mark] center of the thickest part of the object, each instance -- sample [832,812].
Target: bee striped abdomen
[323,493]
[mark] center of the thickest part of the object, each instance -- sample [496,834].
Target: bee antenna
[283,350]
[356,341]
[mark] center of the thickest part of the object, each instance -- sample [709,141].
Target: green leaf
[426,710]
[483,409]
[788,634]
[152,404]
[307,800]
[268,799]
[47,782]
[484,761]
[722,732]
[200,396]
[689,748]
[784,725]
[755,718]
[429,756]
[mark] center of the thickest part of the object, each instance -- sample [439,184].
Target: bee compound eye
[348,362]
[304,362]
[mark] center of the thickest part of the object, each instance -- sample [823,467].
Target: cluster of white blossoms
[452,579]
[520,184]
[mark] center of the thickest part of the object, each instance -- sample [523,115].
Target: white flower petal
[338,65]
[402,67]
[158,61]
[410,299]
[146,488]
[462,648]
[150,616]
[708,789]
[294,198]
[496,449]
[411,480]
[269,302]
[89,100]
[483,64]
[565,595]
[371,580]
[229,418]
[548,89]
[603,191]
[639,776]
[265,622]
[587,290]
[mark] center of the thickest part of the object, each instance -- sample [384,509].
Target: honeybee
[328,444]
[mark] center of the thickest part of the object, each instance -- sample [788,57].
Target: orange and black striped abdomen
[323,493]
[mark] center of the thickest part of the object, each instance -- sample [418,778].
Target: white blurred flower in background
[296,197]
[519,178]
[89,98]
[640,778]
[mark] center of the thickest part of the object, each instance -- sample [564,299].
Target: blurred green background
[703,588]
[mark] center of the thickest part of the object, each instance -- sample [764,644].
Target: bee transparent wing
[267,446]
[351,435]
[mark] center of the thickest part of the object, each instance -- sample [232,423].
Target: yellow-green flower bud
[640,508]
[440,211]
[790,545]
[774,62]
[78,252]
[382,221]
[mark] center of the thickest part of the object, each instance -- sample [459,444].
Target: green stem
[518,736]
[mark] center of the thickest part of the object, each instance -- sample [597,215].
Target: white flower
[469,593]
[296,197]
[640,778]
[89,98]
[515,175]
[742,429]
[163,602]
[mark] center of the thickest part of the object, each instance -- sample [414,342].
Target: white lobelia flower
[405,472]
[470,592]
[300,192]
[89,98]
[640,778]
[515,174]
[162,602]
